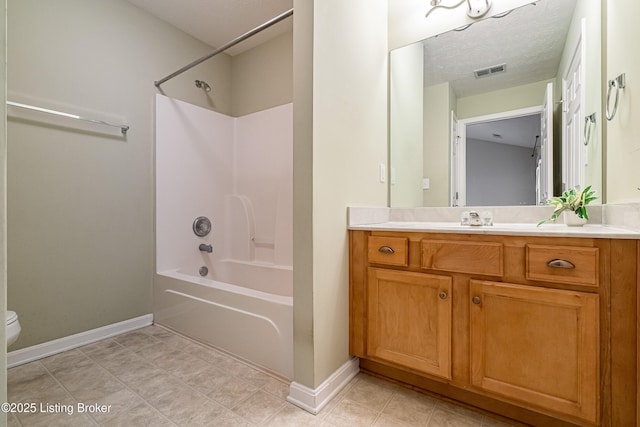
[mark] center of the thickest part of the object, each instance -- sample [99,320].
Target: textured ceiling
[217,22]
[520,131]
[529,40]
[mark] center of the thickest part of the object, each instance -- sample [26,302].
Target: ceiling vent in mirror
[489,71]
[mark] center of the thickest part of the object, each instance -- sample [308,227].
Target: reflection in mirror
[499,148]
[493,114]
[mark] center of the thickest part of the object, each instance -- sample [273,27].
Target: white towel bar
[123,128]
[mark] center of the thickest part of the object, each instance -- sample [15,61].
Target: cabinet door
[536,346]
[409,320]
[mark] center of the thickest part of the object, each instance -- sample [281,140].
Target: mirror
[494,113]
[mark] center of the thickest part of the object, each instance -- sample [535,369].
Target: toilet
[13,327]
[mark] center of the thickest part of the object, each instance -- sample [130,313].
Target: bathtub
[252,325]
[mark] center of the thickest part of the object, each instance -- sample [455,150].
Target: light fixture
[476,8]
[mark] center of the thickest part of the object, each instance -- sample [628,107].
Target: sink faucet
[205,248]
[474,218]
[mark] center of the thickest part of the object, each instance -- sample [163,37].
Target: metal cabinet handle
[475,300]
[560,263]
[386,250]
[442,295]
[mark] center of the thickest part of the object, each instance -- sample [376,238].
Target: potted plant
[571,200]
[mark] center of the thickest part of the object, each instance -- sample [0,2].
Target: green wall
[340,139]
[262,77]
[623,132]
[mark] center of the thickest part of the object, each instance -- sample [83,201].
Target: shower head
[201,84]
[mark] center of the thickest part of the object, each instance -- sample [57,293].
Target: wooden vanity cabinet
[409,320]
[541,330]
[536,345]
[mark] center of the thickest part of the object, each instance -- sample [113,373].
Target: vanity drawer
[462,257]
[389,250]
[563,264]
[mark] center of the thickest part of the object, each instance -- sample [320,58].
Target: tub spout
[205,248]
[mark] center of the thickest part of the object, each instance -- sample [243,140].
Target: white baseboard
[313,400]
[39,351]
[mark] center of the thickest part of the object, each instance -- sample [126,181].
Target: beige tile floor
[153,377]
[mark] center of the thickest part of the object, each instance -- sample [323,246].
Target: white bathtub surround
[313,400]
[263,173]
[39,351]
[193,174]
[269,278]
[238,172]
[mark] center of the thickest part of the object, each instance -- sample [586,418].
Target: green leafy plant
[571,200]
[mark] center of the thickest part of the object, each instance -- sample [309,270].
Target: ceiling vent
[489,71]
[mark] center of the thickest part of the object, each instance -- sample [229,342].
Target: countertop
[506,229]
